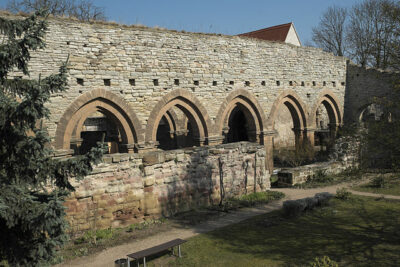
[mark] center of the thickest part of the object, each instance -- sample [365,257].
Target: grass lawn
[382,185]
[360,231]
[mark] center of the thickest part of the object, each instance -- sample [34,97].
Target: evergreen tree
[33,184]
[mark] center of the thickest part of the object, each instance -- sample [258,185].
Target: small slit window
[214,83]
[278,83]
[80,81]
[196,83]
[107,82]
[176,81]
[155,82]
[132,82]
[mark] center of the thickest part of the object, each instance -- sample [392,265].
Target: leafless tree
[370,33]
[330,33]
[81,9]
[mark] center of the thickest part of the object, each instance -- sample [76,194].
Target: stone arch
[296,107]
[252,110]
[113,106]
[189,104]
[332,105]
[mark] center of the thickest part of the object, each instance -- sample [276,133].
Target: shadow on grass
[358,232]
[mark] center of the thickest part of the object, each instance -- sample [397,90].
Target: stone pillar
[333,129]
[215,140]
[268,142]
[146,147]
[180,136]
[309,135]
[75,144]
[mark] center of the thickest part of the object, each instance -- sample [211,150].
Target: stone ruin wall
[363,84]
[129,188]
[119,53]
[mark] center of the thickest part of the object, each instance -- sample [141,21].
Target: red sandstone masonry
[162,183]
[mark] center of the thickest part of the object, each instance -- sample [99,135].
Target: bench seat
[156,249]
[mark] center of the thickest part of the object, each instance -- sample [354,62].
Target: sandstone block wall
[128,188]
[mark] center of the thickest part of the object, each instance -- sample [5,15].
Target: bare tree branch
[80,9]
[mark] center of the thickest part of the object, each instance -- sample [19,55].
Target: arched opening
[326,120]
[285,136]
[288,121]
[188,112]
[373,112]
[238,127]
[96,116]
[165,135]
[241,125]
[98,128]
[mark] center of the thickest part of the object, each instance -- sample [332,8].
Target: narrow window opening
[155,82]
[196,83]
[79,81]
[231,82]
[132,82]
[291,83]
[334,84]
[214,83]
[247,83]
[263,83]
[278,83]
[343,83]
[302,84]
[314,83]
[176,81]
[107,82]
[324,83]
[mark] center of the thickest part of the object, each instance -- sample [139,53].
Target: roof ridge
[268,28]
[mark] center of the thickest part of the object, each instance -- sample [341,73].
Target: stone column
[267,138]
[309,135]
[215,140]
[180,136]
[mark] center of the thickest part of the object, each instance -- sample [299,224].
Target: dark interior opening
[237,127]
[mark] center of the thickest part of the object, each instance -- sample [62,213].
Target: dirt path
[108,256]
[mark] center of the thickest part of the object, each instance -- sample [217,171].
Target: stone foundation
[345,154]
[128,188]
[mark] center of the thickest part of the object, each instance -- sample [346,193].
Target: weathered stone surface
[122,196]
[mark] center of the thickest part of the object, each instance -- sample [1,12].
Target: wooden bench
[156,249]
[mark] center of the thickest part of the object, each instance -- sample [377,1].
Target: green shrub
[343,194]
[378,182]
[325,261]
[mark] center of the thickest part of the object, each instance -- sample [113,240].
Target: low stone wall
[129,188]
[345,154]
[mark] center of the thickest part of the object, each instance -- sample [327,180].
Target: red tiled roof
[275,33]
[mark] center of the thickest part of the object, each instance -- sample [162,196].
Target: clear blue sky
[219,16]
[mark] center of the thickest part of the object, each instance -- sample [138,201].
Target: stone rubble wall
[344,155]
[101,51]
[129,188]
[363,85]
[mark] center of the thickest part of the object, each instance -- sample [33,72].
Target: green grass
[359,231]
[322,179]
[385,185]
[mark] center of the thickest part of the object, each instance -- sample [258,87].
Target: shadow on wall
[204,176]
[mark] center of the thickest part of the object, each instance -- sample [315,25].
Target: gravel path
[108,256]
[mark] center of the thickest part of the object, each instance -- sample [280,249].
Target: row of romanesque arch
[206,132]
